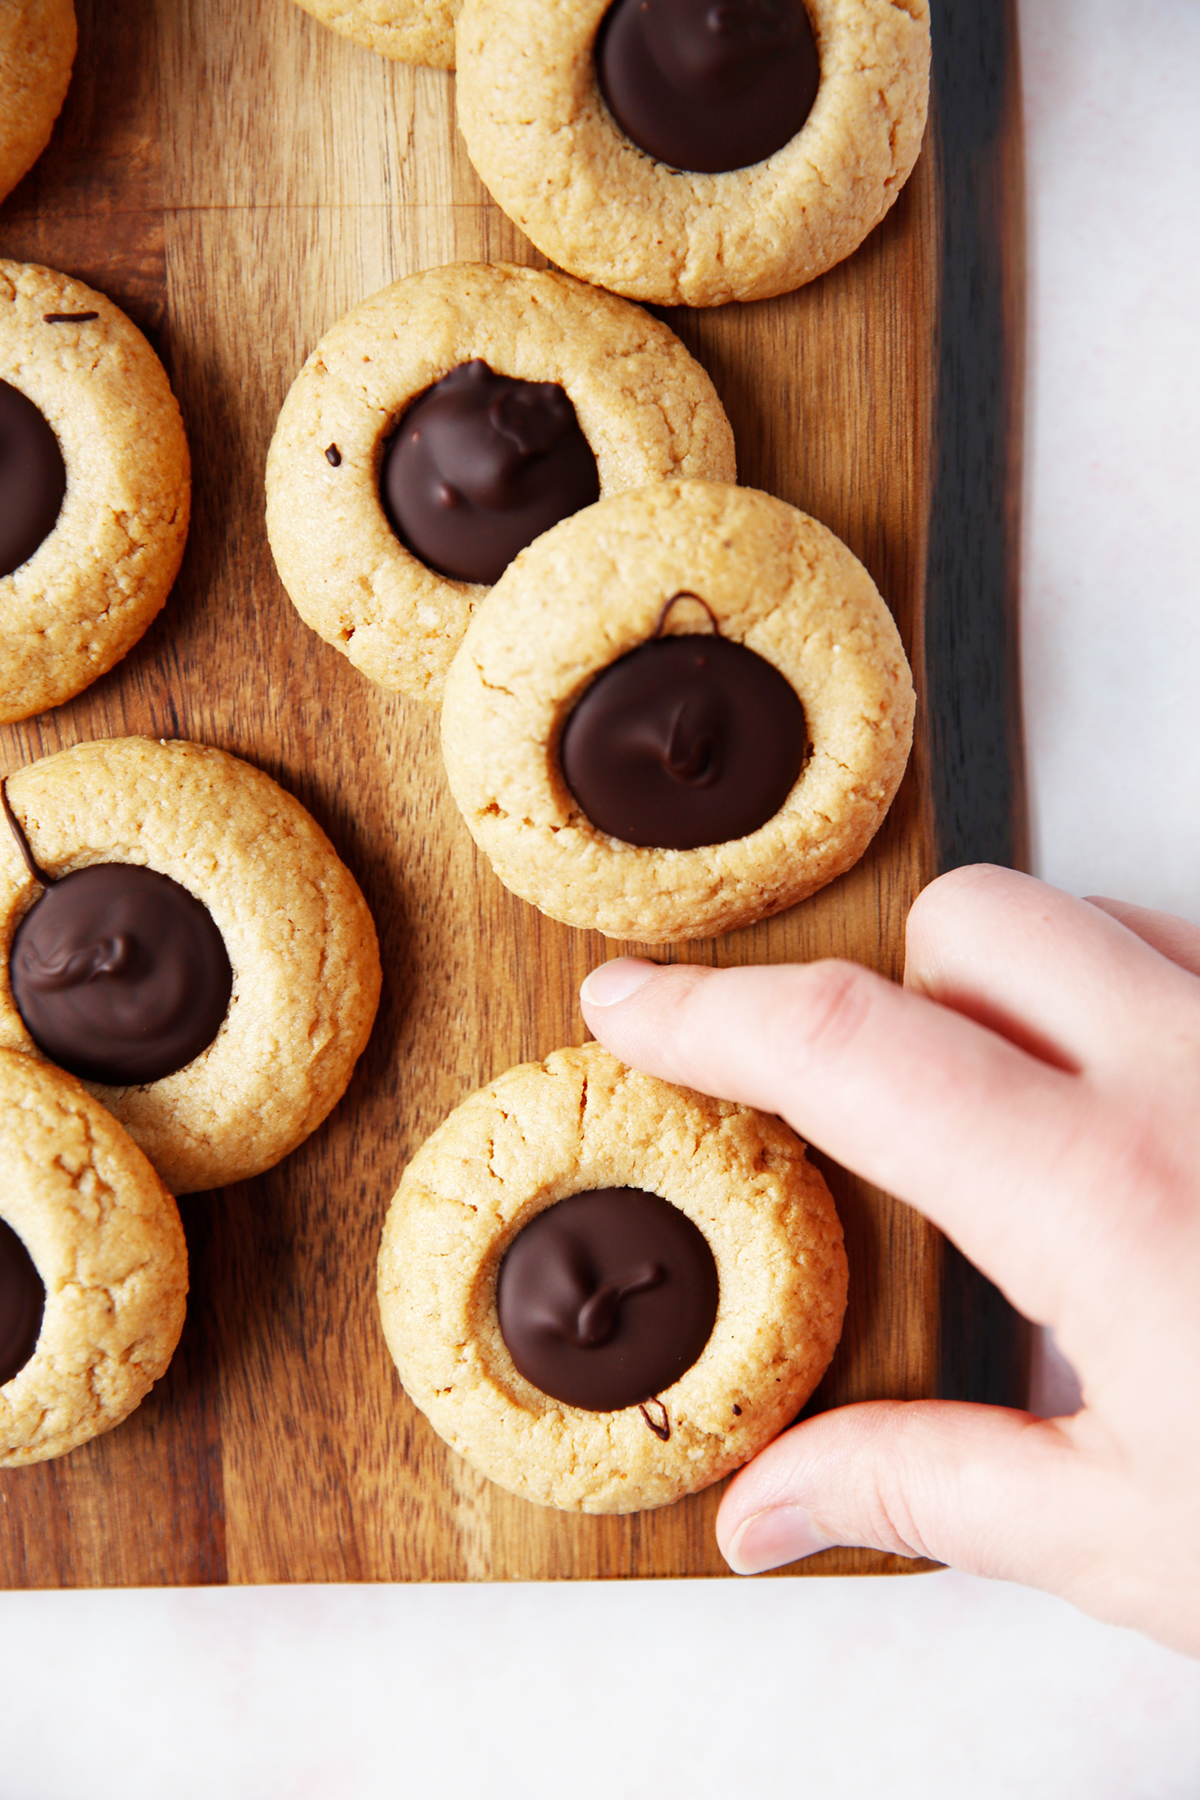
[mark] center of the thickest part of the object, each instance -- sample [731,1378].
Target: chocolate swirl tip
[596,1320]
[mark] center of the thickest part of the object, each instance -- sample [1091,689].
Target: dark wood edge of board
[971,658]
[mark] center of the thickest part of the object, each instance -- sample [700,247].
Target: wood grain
[251,179]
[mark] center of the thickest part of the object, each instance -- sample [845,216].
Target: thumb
[985,1489]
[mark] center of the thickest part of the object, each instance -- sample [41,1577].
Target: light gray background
[935,1686]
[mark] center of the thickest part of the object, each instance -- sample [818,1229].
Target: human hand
[1034,1089]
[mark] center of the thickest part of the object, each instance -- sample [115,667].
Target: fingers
[1052,973]
[989,1491]
[1054,1504]
[924,1103]
[1173,938]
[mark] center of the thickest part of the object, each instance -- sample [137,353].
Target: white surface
[1111,592]
[892,1690]
[935,1686]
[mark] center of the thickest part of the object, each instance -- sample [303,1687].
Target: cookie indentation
[607,1297]
[22,1303]
[479,466]
[686,741]
[33,478]
[120,974]
[708,85]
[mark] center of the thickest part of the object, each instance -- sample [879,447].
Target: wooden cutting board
[237,177]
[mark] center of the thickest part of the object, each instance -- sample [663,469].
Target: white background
[933,1686]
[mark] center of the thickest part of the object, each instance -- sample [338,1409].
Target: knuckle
[887,1500]
[1148,1170]
[893,1527]
[831,1006]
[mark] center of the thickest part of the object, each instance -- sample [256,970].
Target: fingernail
[616,980]
[767,1540]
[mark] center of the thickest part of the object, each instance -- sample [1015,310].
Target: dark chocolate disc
[22,1302]
[685,741]
[33,478]
[120,974]
[708,85]
[606,1298]
[479,466]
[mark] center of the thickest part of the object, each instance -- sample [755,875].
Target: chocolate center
[708,85]
[685,741]
[606,1298]
[33,478]
[120,974]
[479,466]
[22,1302]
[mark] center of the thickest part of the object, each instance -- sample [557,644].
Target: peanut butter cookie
[37,50]
[93,1266]
[177,931]
[682,710]
[95,487]
[416,31]
[447,421]
[606,1292]
[757,145]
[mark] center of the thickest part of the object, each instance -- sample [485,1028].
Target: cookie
[680,711]
[37,49]
[93,1266]
[178,932]
[417,31]
[671,1266]
[583,370]
[95,487]
[538,82]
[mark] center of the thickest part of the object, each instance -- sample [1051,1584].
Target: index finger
[986,1140]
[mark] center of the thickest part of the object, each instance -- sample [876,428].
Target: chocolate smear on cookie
[684,742]
[606,1298]
[33,478]
[708,85]
[659,1425]
[479,466]
[118,972]
[19,838]
[22,1303]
